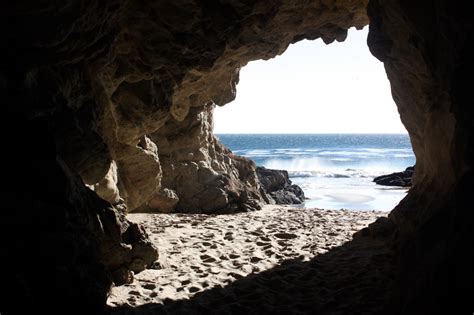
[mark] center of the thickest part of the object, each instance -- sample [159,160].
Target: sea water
[334,170]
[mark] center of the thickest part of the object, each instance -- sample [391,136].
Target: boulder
[277,187]
[402,179]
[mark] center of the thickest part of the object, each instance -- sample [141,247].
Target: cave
[108,107]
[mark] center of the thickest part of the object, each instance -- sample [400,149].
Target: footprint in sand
[237,263]
[269,253]
[285,236]
[149,286]
[228,236]
[194,289]
[267,247]
[185,282]
[235,275]
[207,258]
[255,260]
[209,236]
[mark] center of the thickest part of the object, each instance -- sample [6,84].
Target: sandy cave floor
[278,259]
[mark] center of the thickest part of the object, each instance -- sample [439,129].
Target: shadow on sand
[354,278]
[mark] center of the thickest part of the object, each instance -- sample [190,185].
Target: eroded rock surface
[204,176]
[161,76]
[426,49]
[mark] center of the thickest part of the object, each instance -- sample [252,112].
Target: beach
[334,170]
[254,257]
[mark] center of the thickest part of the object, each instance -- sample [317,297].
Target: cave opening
[107,109]
[204,255]
[325,114]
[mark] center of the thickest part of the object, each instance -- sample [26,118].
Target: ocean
[334,170]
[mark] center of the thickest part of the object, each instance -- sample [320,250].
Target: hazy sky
[313,88]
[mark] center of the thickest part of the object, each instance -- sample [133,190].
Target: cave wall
[427,50]
[86,85]
[201,174]
[114,99]
[159,69]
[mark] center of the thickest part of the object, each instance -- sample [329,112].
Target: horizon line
[311,133]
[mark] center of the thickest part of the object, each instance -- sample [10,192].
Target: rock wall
[168,62]
[203,176]
[109,93]
[427,50]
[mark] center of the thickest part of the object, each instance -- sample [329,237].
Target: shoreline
[200,252]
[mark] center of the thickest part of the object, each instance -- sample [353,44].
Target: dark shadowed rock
[402,179]
[278,188]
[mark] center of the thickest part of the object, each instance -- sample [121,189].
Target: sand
[246,256]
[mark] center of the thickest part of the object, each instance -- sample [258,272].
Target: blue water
[334,170]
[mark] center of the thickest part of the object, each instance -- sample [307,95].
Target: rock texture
[58,239]
[117,95]
[426,48]
[402,179]
[277,187]
[161,82]
[203,175]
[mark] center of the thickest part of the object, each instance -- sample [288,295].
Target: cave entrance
[326,115]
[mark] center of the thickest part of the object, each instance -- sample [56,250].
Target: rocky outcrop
[402,179]
[115,91]
[203,175]
[147,90]
[58,238]
[277,187]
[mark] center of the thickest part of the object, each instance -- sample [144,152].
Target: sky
[313,88]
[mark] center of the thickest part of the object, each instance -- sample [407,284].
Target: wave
[324,168]
[333,154]
[336,174]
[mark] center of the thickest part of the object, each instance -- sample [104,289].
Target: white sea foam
[326,166]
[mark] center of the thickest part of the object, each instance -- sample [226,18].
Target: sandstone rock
[402,179]
[278,187]
[106,188]
[143,88]
[205,176]
[163,202]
